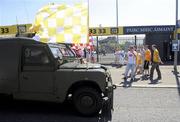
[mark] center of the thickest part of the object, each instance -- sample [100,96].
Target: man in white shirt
[131,63]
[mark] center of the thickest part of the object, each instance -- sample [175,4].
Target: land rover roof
[21,40]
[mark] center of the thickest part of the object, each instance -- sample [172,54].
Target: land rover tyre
[87,101]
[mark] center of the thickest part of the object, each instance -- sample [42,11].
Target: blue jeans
[132,68]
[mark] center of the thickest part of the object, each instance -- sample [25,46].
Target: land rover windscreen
[63,51]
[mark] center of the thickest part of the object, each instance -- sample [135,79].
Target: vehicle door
[37,70]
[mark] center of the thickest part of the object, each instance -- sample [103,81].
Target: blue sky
[131,12]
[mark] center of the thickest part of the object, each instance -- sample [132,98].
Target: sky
[101,12]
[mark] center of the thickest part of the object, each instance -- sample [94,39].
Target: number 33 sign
[4,30]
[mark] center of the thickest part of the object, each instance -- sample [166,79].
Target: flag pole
[117,24]
[88,21]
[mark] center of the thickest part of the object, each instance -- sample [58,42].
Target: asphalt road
[130,105]
[146,105]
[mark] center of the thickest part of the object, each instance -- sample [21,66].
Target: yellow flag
[62,23]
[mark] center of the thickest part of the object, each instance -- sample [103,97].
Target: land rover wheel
[87,101]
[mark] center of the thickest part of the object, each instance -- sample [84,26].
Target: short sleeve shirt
[131,58]
[156,56]
[147,55]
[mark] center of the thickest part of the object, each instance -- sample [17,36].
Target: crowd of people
[138,60]
[87,54]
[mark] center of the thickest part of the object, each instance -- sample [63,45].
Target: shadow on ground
[128,83]
[177,76]
[30,111]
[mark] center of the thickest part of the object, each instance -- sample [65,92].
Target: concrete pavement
[169,79]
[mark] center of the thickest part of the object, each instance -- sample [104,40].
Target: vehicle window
[35,55]
[61,50]
[56,52]
[66,52]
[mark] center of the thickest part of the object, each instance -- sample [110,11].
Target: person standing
[116,53]
[88,55]
[121,57]
[131,63]
[138,62]
[147,61]
[85,52]
[92,55]
[155,63]
[136,55]
[142,51]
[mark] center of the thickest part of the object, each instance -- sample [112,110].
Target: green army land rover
[32,70]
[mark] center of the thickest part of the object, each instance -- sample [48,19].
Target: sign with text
[175,45]
[7,30]
[13,29]
[100,31]
[148,29]
[105,31]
